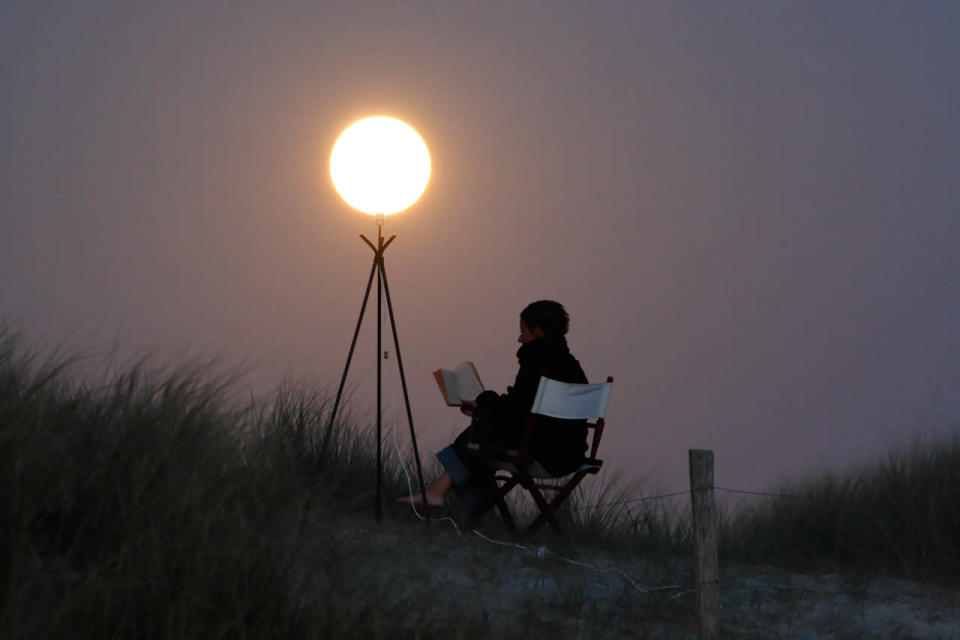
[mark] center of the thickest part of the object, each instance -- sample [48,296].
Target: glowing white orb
[380,165]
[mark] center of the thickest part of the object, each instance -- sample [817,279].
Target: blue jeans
[473,491]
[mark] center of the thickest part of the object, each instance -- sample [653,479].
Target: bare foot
[433,499]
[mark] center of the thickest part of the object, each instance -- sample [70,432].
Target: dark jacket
[556,444]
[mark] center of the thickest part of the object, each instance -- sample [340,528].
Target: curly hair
[550,316]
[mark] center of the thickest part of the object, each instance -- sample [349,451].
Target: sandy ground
[409,578]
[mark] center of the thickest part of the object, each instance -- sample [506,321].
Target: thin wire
[632,500]
[515,545]
[683,493]
[543,552]
[540,552]
[761,493]
[413,505]
[402,459]
[618,570]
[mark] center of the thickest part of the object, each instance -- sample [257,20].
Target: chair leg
[506,515]
[498,502]
[555,503]
[546,511]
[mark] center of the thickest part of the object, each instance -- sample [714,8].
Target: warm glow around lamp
[380,165]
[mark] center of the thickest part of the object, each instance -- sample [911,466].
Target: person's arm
[514,405]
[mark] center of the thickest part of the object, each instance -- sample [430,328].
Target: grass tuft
[896,516]
[153,505]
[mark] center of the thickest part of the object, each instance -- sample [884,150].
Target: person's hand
[468,408]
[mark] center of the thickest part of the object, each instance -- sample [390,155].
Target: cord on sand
[403,465]
[540,552]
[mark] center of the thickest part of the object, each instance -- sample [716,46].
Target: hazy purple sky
[750,209]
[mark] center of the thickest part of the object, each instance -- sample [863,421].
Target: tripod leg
[403,383]
[379,378]
[346,368]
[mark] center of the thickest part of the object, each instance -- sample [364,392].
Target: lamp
[379,166]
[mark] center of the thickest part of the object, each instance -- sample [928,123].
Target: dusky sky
[750,209]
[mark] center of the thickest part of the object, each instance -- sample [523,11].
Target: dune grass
[155,505]
[897,516]
[128,511]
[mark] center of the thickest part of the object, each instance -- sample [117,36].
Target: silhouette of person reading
[500,419]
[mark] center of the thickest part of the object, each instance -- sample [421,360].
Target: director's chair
[514,467]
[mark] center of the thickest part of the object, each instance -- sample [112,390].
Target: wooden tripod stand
[383,291]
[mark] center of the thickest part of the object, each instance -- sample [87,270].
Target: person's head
[543,318]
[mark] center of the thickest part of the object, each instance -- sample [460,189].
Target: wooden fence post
[705,542]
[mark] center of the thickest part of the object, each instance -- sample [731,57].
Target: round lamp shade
[380,165]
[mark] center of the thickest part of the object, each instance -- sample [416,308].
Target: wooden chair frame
[517,467]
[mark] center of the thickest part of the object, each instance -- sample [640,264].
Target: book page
[451,387]
[468,382]
[463,383]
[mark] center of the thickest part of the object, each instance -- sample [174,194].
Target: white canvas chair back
[571,401]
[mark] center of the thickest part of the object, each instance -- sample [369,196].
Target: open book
[463,383]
